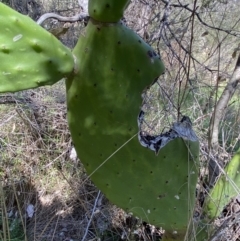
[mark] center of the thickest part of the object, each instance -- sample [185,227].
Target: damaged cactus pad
[104,102]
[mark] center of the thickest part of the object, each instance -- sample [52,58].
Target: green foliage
[226,188]
[14,229]
[30,56]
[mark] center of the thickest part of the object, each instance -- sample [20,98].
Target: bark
[216,118]
[222,105]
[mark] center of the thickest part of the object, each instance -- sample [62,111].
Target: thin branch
[90,220]
[187,52]
[222,104]
[7,120]
[60,18]
[229,229]
[189,59]
[185,6]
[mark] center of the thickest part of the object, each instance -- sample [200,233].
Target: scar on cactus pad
[113,66]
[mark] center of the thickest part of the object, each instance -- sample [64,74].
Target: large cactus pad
[104,101]
[30,56]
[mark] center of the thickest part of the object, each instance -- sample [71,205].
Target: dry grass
[36,169]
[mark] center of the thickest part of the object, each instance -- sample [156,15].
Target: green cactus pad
[30,56]
[104,101]
[107,10]
[226,187]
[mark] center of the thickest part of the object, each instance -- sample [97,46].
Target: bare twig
[229,230]
[7,120]
[60,18]
[185,6]
[222,104]
[189,60]
[90,220]
[188,52]
[215,120]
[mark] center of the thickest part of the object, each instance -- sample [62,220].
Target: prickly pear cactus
[226,187]
[113,66]
[30,56]
[104,101]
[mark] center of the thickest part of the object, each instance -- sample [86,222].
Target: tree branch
[60,18]
[222,104]
[185,6]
